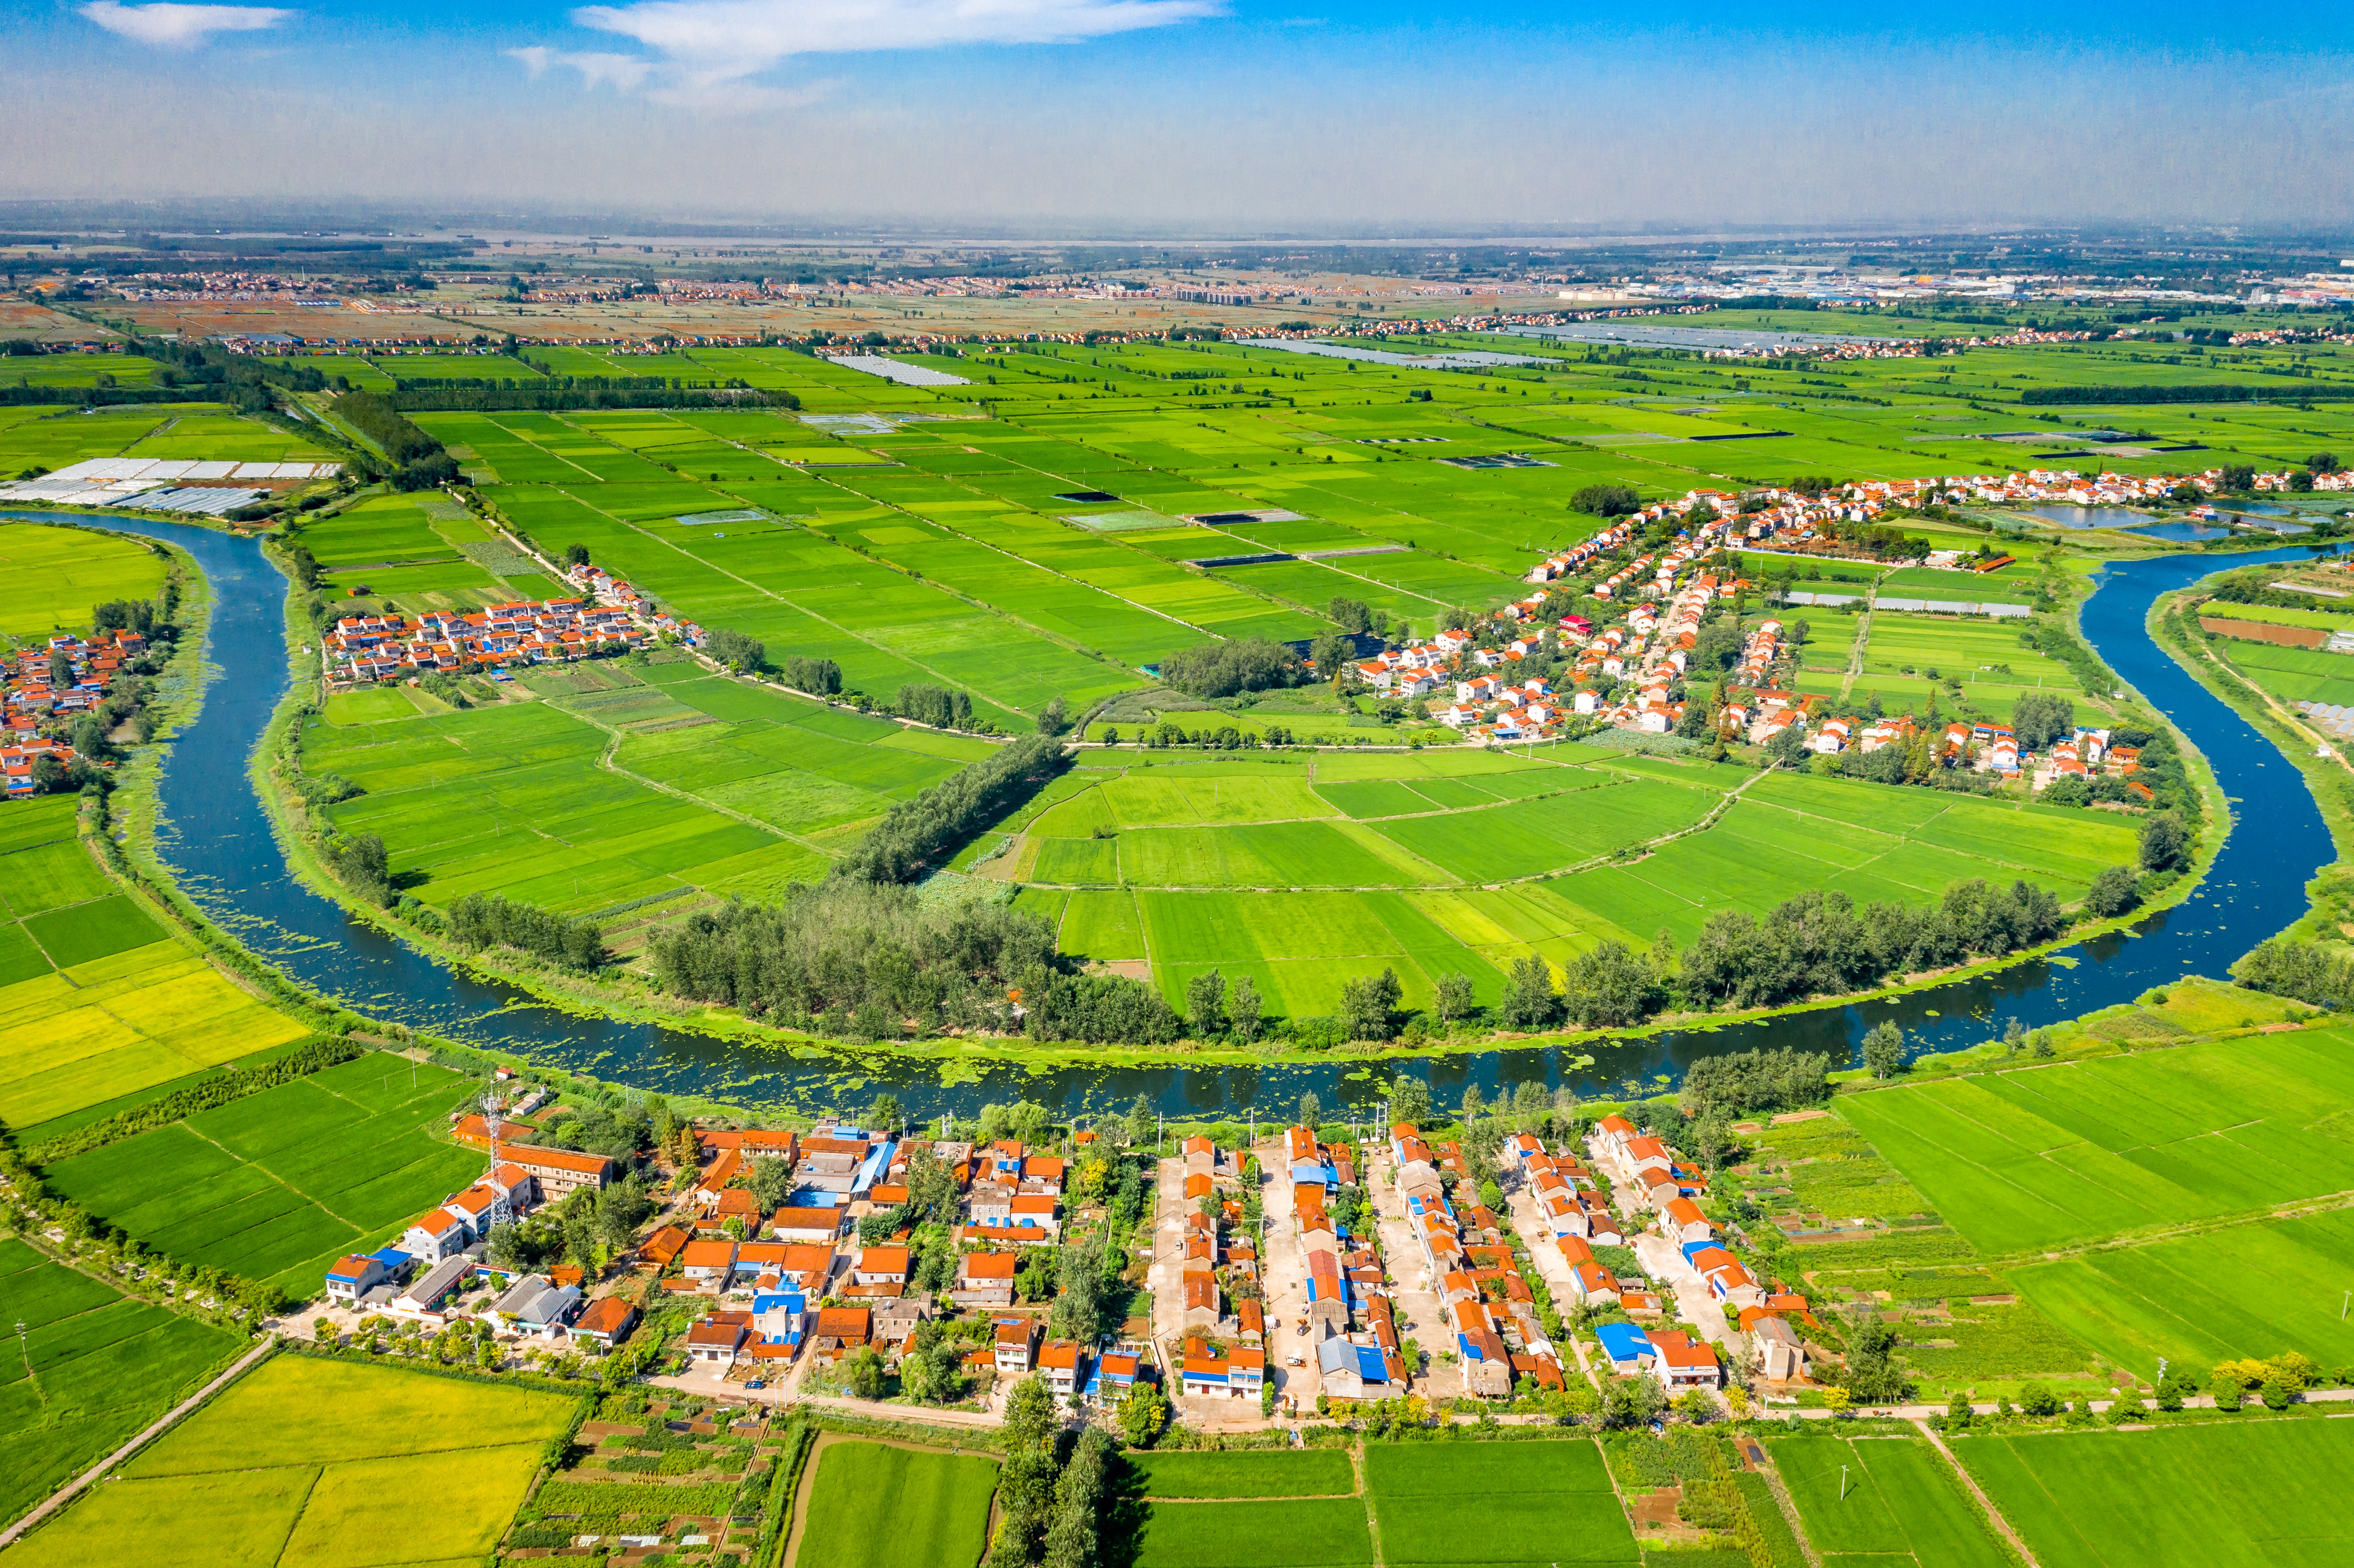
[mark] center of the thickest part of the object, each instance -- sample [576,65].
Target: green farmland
[279,1184]
[97,1368]
[2248,1492]
[106,1004]
[604,785]
[50,578]
[2028,1159]
[876,1505]
[1886,1501]
[304,1461]
[1302,873]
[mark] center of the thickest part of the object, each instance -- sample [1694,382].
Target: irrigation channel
[219,843]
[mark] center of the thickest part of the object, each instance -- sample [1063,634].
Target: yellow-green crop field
[52,577]
[311,1462]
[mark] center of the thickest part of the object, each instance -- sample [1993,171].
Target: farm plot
[52,577]
[308,1461]
[1884,1499]
[2020,1161]
[511,800]
[1310,1532]
[1539,1503]
[2245,1492]
[2138,1304]
[876,1505]
[98,1366]
[1287,1473]
[101,1004]
[278,1184]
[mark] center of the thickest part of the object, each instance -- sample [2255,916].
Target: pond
[219,842]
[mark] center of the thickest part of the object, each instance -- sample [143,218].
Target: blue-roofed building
[781,1317]
[1627,1347]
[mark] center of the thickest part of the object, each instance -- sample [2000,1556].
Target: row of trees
[377,417]
[1239,664]
[1818,943]
[935,706]
[849,956]
[915,836]
[481,920]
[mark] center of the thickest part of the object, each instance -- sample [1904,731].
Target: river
[218,841]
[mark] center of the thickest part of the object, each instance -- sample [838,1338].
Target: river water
[218,841]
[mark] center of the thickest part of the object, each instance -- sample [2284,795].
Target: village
[1274,1279]
[1628,675]
[47,689]
[614,619]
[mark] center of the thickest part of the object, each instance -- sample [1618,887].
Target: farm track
[1715,814]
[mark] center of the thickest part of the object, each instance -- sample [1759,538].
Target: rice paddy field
[52,577]
[2249,1491]
[882,1505]
[97,1368]
[1538,1503]
[279,1184]
[106,1006]
[1884,1501]
[2028,1159]
[606,785]
[304,1461]
[206,432]
[1303,871]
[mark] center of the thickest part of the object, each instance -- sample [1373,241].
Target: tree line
[2296,391]
[480,920]
[507,397]
[1818,943]
[1238,664]
[851,959]
[916,835]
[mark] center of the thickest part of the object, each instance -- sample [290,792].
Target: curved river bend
[218,841]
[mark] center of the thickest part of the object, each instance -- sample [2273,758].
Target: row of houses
[788,1288]
[1489,1309]
[440,1251]
[1222,1354]
[1656,1178]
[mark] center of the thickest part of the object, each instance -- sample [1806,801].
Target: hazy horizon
[1169,116]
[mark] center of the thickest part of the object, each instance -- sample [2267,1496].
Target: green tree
[1243,1008]
[1368,1003]
[1958,1413]
[1031,1421]
[1874,1376]
[1142,1413]
[1311,1111]
[1409,1100]
[1883,1050]
[861,1372]
[2165,843]
[1629,1402]
[1451,997]
[1142,1126]
[2039,718]
[1206,996]
[1530,1002]
[2114,892]
[576,554]
[1330,655]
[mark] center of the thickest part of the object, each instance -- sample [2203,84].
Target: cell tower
[491,1107]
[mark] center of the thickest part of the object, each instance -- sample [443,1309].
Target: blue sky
[1228,114]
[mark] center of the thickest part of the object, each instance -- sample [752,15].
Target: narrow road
[1985,1504]
[162,1424]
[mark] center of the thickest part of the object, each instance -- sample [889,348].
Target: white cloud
[709,43]
[182,27]
[624,71]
